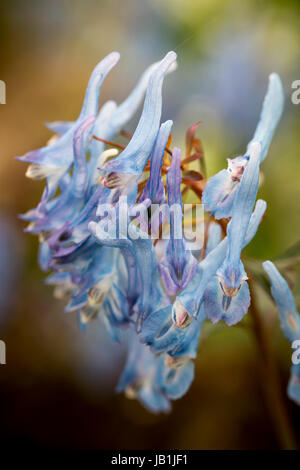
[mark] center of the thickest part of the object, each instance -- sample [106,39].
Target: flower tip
[167,124]
[114,57]
[171,55]
[169,60]
[274,77]
[275,84]
[261,206]
[267,266]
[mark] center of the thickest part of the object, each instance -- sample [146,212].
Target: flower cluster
[160,291]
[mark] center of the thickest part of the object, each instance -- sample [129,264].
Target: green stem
[275,400]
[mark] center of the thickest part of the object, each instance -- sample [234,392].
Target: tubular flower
[229,289]
[102,221]
[289,320]
[220,192]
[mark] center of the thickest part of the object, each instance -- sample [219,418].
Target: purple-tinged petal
[154,188]
[80,172]
[70,202]
[44,256]
[179,265]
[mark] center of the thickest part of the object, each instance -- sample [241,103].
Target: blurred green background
[57,388]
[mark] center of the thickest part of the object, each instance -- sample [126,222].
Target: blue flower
[134,158]
[71,200]
[154,188]
[289,320]
[109,262]
[113,118]
[220,191]
[229,289]
[188,302]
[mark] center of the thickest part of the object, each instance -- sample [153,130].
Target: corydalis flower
[229,288]
[133,159]
[159,290]
[220,192]
[289,320]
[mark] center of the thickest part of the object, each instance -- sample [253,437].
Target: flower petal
[232,271]
[191,297]
[154,188]
[135,156]
[281,293]
[270,115]
[218,307]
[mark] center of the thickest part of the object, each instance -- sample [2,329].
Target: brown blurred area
[57,388]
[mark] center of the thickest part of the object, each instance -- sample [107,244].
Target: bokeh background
[57,388]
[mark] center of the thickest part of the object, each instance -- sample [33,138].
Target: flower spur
[220,190]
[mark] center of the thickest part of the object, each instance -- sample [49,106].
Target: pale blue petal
[220,190]
[214,236]
[135,156]
[219,194]
[282,294]
[44,256]
[270,115]
[128,108]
